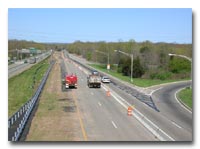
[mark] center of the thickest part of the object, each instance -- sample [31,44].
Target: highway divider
[17,122]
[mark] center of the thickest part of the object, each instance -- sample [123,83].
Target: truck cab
[70,81]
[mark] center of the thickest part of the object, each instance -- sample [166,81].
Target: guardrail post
[9,124]
[15,134]
[12,121]
[15,117]
[13,138]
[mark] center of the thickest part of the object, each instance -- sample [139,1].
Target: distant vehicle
[32,60]
[105,79]
[94,80]
[70,81]
[94,72]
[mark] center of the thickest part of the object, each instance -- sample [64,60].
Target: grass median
[136,81]
[23,86]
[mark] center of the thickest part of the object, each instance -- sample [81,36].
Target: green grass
[185,96]
[21,87]
[136,81]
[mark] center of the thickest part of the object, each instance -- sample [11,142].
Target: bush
[161,75]
[119,70]
[179,65]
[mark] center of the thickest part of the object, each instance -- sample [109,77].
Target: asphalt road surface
[174,111]
[103,118]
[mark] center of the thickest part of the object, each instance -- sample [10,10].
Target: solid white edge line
[141,119]
[155,90]
[179,101]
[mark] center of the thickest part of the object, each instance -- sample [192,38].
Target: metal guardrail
[17,122]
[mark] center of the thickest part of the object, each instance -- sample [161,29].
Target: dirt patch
[56,118]
[64,99]
[69,108]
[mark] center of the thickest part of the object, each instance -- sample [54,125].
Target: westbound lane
[103,118]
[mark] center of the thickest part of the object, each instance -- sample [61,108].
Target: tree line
[150,60]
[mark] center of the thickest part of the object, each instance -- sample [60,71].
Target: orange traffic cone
[130,109]
[108,93]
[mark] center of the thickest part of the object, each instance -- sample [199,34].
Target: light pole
[183,56]
[108,57]
[131,56]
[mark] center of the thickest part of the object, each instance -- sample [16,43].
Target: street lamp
[106,54]
[129,55]
[183,56]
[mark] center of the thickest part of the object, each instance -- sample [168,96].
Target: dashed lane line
[113,123]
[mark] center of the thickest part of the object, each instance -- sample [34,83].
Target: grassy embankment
[136,81]
[22,87]
[185,96]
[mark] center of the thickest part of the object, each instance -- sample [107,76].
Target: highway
[90,114]
[20,66]
[172,118]
[103,118]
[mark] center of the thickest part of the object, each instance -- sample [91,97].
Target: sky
[101,24]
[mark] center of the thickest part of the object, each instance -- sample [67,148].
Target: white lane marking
[176,125]
[141,117]
[155,90]
[116,98]
[114,124]
[99,104]
[179,101]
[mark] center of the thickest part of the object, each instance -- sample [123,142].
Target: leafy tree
[88,55]
[179,65]
[138,70]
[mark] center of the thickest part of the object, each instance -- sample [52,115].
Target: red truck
[70,81]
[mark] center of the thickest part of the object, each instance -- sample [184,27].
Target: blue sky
[69,25]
